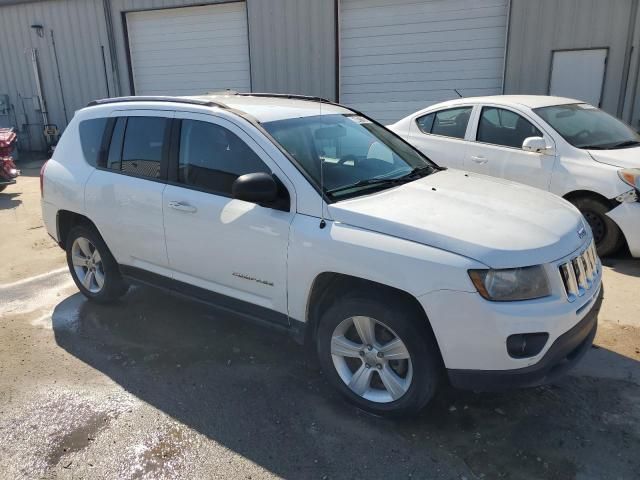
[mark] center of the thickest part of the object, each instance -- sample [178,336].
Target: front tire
[380,355]
[606,233]
[93,268]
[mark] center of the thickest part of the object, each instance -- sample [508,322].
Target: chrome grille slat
[580,272]
[581,277]
[589,263]
[569,277]
[588,271]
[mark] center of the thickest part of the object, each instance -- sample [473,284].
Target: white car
[308,216]
[565,146]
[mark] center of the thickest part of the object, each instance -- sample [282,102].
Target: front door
[497,150]
[231,247]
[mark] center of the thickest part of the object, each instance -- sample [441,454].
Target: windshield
[585,126]
[356,155]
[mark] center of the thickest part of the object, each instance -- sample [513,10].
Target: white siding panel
[189,50]
[397,56]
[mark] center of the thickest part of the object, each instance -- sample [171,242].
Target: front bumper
[627,217]
[563,354]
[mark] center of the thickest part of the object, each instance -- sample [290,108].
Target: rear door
[497,150]
[441,135]
[231,247]
[123,196]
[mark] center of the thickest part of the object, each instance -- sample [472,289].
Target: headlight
[511,284]
[630,176]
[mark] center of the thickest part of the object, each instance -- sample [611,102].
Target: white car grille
[581,272]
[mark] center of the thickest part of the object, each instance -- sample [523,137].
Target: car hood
[623,157]
[499,223]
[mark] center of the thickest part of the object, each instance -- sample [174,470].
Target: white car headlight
[511,284]
[630,176]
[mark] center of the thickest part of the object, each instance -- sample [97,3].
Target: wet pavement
[160,387]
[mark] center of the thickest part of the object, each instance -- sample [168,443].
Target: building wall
[291,42]
[293,46]
[538,27]
[80,33]
[292,49]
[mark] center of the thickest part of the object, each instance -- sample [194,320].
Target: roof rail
[191,101]
[284,95]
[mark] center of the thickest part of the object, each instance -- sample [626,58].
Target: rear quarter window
[91,132]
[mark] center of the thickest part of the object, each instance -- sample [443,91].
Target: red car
[8,170]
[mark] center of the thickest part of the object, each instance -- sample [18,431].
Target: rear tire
[363,370]
[93,268]
[606,233]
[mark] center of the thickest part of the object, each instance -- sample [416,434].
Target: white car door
[441,134]
[123,196]
[499,133]
[231,247]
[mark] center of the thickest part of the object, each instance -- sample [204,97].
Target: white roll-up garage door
[397,56]
[189,50]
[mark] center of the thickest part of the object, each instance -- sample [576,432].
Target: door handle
[480,160]
[183,207]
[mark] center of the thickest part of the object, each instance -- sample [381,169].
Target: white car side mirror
[536,145]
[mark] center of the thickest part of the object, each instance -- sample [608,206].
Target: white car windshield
[349,155]
[585,126]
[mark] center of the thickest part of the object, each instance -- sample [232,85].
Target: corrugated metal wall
[538,27]
[79,31]
[292,49]
[292,43]
[293,46]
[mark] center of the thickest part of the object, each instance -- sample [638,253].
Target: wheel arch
[328,285]
[66,220]
[575,194]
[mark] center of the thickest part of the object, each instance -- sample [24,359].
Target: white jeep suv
[308,216]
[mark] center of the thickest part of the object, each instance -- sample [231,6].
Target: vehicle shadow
[9,200]
[624,264]
[257,393]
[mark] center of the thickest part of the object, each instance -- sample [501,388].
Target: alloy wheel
[371,359]
[87,264]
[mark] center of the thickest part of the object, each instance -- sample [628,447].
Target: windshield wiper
[628,143]
[594,147]
[418,172]
[414,174]
[370,182]
[611,146]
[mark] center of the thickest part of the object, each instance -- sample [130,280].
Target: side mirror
[536,145]
[255,188]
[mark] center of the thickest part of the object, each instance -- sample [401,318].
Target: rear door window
[115,147]
[143,145]
[447,123]
[137,145]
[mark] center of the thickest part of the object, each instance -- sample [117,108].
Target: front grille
[580,273]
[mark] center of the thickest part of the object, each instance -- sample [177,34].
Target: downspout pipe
[106,5]
[36,76]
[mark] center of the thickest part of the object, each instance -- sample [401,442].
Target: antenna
[323,223]
[459,94]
